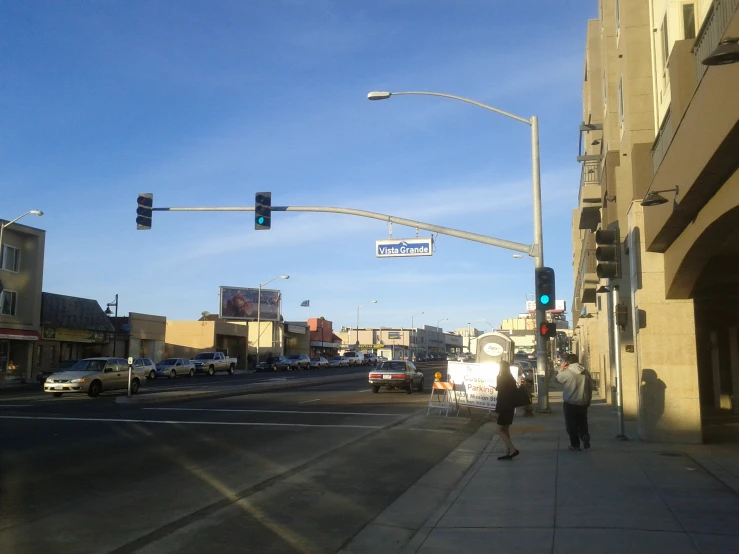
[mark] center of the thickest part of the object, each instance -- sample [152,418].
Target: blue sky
[205,104]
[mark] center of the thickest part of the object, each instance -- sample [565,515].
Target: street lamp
[538,247]
[9,223]
[413,350]
[370,302]
[486,321]
[437,327]
[108,312]
[259,313]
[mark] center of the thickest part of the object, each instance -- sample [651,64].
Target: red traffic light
[548,330]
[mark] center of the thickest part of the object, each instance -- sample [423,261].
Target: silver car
[172,367]
[396,374]
[338,361]
[93,376]
[318,362]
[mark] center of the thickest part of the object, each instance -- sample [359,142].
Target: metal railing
[664,137]
[713,28]
[590,173]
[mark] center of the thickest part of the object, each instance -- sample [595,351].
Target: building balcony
[587,280]
[590,200]
[696,146]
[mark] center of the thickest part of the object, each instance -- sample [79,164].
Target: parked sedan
[172,367]
[396,374]
[299,361]
[274,363]
[318,363]
[41,376]
[338,361]
[92,376]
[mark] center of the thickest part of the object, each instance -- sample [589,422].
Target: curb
[405,524]
[157,398]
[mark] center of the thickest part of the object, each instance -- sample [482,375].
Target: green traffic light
[544,299]
[261,220]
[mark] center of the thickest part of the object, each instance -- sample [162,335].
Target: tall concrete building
[660,157]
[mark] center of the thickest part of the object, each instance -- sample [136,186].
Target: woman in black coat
[505,407]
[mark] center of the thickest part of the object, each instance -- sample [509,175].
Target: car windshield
[168,361]
[294,356]
[350,354]
[89,365]
[315,359]
[337,358]
[205,356]
[392,366]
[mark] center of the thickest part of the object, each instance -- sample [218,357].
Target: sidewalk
[616,497]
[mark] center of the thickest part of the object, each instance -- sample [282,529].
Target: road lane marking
[15,405]
[301,412]
[308,401]
[183,422]
[364,390]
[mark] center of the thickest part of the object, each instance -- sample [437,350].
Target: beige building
[21,275]
[656,118]
[184,339]
[140,336]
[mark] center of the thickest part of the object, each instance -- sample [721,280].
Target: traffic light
[608,254]
[263,211]
[143,212]
[548,329]
[544,288]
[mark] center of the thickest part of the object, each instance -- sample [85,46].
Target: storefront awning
[319,344]
[18,334]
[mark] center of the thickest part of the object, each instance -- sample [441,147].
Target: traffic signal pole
[541,342]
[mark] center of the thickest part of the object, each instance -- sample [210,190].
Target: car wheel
[410,387]
[152,375]
[231,369]
[134,386]
[96,387]
[211,371]
[172,374]
[420,386]
[58,394]
[191,373]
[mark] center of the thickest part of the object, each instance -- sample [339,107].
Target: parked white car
[354,357]
[173,367]
[318,362]
[93,376]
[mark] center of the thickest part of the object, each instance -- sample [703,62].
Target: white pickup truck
[210,362]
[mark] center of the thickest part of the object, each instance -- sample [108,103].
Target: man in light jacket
[577,394]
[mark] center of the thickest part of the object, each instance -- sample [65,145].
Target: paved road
[299,470]
[34,391]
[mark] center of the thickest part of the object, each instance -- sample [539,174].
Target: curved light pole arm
[529,249]
[473,102]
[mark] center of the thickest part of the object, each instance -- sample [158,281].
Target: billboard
[559,306]
[241,303]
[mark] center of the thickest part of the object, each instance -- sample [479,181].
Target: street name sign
[404,248]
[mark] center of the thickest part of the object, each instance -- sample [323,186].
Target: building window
[621,100]
[11,258]
[689,20]
[665,42]
[8,301]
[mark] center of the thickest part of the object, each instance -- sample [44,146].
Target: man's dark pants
[576,421]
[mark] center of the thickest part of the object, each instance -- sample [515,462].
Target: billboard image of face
[238,303]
